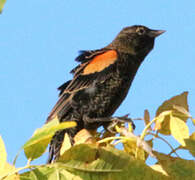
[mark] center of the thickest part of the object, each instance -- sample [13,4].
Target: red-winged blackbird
[101,82]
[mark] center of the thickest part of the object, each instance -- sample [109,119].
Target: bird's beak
[155,33]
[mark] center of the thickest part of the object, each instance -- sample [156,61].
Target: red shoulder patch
[100,62]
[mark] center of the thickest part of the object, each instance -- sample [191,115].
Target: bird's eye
[140,31]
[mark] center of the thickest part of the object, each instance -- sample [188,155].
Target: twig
[140,142]
[157,136]
[174,150]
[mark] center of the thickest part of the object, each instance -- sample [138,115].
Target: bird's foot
[119,121]
[113,121]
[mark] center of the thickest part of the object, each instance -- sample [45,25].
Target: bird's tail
[55,146]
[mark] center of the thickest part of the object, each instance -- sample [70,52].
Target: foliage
[97,157]
[2,2]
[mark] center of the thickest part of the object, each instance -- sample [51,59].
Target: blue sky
[39,41]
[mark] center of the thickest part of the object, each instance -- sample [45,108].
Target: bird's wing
[94,67]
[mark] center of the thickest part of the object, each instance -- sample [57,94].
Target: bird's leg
[113,121]
[119,121]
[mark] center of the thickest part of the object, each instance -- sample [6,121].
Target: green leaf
[190,144]
[89,162]
[177,168]
[2,2]
[37,145]
[38,173]
[179,129]
[49,172]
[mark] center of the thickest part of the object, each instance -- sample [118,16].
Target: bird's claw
[119,120]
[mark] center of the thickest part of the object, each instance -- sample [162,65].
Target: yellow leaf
[83,136]
[130,146]
[192,136]
[179,129]
[162,123]
[193,120]
[3,154]
[66,144]
[177,105]
[130,127]
[158,167]
[6,171]
[5,168]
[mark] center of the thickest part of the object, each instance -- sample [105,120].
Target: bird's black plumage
[101,82]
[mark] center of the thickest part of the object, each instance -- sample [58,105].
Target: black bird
[101,82]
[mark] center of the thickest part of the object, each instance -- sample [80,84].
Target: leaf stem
[144,132]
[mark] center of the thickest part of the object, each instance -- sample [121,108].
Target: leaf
[190,144]
[192,136]
[158,167]
[105,163]
[177,105]
[130,146]
[138,148]
[147,117]
[8,169]
[177,168]
[182,110]
[193,120]
[37,145]
[179,129]
[83,136]
[89,162]
[41,173]
[66,144]
[5,168]
[57,175]
[3,154]
[36,150]
[2,2]
[179,100]
[162,123]
[148,148]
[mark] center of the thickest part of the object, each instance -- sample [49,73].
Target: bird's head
[136,40]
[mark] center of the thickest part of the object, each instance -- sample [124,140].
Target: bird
[100,83]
